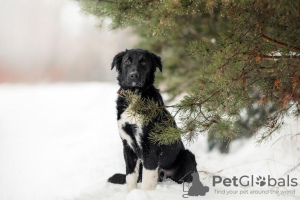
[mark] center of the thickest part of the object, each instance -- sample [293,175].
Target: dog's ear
[117,60]
[157,61]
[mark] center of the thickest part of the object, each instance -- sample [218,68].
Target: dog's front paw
[150,178]
[131,187]
[131,180]
[151,186]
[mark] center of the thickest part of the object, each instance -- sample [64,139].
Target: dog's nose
[134,75]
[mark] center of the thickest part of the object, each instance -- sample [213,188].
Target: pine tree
[226,56]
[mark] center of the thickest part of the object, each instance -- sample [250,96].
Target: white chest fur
[128,117]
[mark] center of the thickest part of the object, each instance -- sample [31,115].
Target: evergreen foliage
[226,56]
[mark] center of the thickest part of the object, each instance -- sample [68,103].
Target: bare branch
[298,10]
[268,39]
[279,57]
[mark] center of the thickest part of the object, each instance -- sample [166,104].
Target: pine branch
[106,1]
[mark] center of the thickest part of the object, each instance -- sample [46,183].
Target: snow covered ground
[61,142]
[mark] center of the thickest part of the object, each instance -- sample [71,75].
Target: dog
[145,161]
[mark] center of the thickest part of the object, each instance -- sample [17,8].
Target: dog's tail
[117,179]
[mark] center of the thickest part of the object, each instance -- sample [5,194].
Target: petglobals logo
[253,185]
[252,181]
[197,188]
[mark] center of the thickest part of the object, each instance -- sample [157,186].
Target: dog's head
[136,68]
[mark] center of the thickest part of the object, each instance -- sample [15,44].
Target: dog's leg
[131,179]
[132,167]
[150,178]
[150,172]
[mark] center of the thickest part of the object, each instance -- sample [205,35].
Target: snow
[61,142]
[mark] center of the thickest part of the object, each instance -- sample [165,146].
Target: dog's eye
[144,63]
[128,63]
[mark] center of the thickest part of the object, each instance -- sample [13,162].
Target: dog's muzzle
[134,79]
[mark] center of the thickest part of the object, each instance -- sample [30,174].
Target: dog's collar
[121,92]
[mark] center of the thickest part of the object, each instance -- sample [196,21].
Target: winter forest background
[231,75]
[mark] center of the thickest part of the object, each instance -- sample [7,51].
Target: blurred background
[54,41]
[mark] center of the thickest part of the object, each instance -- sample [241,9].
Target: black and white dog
[146,162]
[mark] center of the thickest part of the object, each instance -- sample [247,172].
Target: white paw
[131,180]
[150,178]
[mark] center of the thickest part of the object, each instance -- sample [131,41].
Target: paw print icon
[261,181]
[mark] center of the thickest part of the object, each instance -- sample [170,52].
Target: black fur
[136,69]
